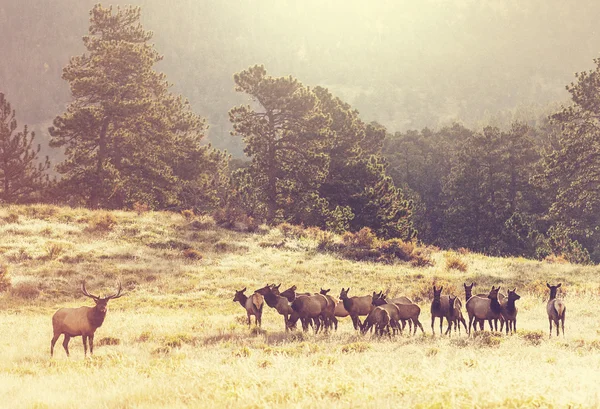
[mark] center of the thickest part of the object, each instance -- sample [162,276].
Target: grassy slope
[177,339]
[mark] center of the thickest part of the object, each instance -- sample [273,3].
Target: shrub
[454,262]
[356,347]
[421,258]
[203,222]
[27,290]
[140,208]
[54,249]
[364,238]
[532,337]
[291,230]
[11,218]
[5,281]
[397,248]
[188,214]
[102,222]
[109,341]
[192,254]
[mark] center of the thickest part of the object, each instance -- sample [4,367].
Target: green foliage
[127,139]
[22,176]
[571,169]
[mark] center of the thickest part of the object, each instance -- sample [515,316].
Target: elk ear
[548,285]
[243,290]
[559,284]
[441,288]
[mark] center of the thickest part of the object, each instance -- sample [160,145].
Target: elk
[455,315]
[440,308]
[281,304]
[84,321]
[556,309]
[407,311]
[509,311]
[356,306]
[253,305]
[338,308]
[379,318]
[501,298]
[311,307]
[480,308]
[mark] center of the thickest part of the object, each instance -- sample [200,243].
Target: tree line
[128,140]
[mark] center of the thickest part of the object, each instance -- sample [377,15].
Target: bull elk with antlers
[84,321]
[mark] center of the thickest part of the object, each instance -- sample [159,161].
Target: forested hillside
[447,123]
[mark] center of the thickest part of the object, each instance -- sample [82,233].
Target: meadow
[177,340]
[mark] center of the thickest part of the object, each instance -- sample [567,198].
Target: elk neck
[242,300]
[510,306]
[495,305]
[96,317]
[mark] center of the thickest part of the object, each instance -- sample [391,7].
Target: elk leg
[91,342]
[84,339]
[54,339]
[66,343]
[550,321]
[248,315]
[441,322]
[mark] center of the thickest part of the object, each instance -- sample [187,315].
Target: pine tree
[127,139]
[284,137]
[572,169]
[22,176]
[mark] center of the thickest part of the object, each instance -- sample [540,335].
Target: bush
[454,262]
[203,222]
[11,218]
[140,208]
[192,254]
[291,230]
[5,281]
[102,222]
[54,250]
[397,248]
[27,290]
[421,258]
[188,214]
[364,238]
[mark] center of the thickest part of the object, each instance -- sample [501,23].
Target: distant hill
[404,65]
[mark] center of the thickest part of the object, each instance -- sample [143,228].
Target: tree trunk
[94,202]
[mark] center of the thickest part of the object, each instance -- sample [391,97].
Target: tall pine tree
[127,139]
[22,175]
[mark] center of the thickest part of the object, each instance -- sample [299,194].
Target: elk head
[101,302]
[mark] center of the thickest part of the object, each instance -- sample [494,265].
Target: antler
[117,295]
[84,291]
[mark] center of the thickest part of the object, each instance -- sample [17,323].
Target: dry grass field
[177,340]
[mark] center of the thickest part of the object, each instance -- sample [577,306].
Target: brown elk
[407,310]
[378,318]
[253,305]
[501,299]
[82,321]
[316,308]
[455,315]
[356,306]
[556,309]
[338,309]
[440,308]
[480,308]
[509,311]
[281,304]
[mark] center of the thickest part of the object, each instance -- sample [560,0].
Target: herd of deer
[323,310]
[386,316]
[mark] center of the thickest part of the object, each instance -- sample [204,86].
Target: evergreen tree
[22,176]
[127,139]
[572,169]
[285,139]
[357,183]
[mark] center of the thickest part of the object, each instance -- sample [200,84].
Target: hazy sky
[407,64]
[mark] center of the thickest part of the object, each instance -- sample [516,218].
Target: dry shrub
[364,238]
[554,259]
[204,222]
[102,222]
[291,230]
[5,281]
[54,249]
[324,238]
[109,341]
[140,208]
[463,251]
[455,262]
[188,214]
[397,248]
[233,218]
[27,290]
[18,256]
[11,218]
[192,254]
[532,337]
[356,347]
[421,258]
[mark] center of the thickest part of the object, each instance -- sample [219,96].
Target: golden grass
[177,339]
